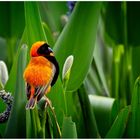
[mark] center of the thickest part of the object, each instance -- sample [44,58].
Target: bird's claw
[48,102]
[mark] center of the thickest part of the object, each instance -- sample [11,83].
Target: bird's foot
[48,102]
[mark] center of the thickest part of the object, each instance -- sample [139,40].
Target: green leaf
[56,96]
[88,114]
[92,82]
[123,24]
[16,126]
[78,40]
[105,110]
[11,26]
[74,110]
[51,13]
[69,128]
[11,83]
[33,125]
[3,47]
[99,65]
[35,31]
[12,22]
[48,34]
[135,61]
[119,125]
[134,120]
[133,22]
[113,22]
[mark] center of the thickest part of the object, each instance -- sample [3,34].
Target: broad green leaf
[12,22]
[118,128]
[35,31]
[105,110]
[48,34]
[99,65]
[57,98]
[16,126]
[78,39]
[11,83]
[89,118]
[69,128]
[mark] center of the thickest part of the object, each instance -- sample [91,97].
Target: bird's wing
[28,90]
[40,90]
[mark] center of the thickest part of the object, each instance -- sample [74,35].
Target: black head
[44,50]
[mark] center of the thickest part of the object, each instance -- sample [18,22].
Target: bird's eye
[43,50]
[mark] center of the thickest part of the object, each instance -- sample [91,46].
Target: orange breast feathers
[39,71]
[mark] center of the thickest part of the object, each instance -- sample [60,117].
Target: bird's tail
[31,103]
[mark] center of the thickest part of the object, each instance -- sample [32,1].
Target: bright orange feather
[34,48]
[38,71]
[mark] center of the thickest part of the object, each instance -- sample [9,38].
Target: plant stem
[65,100]
[127,60]
[1,85]
[55,118]
[115,73]
[36,122]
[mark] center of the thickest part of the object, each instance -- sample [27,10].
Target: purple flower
[71,5]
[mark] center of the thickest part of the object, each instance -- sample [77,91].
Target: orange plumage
[39,73]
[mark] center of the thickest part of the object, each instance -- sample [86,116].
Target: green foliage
[17,117]
[134,119]
[106,110]
[35,31]
[69,129]
[119,125]
[95,95]
[75,36]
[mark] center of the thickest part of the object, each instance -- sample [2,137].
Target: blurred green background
[100,96]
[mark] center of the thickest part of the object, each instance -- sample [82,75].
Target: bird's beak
[51,51]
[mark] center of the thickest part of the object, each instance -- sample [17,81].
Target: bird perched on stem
[41,73]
